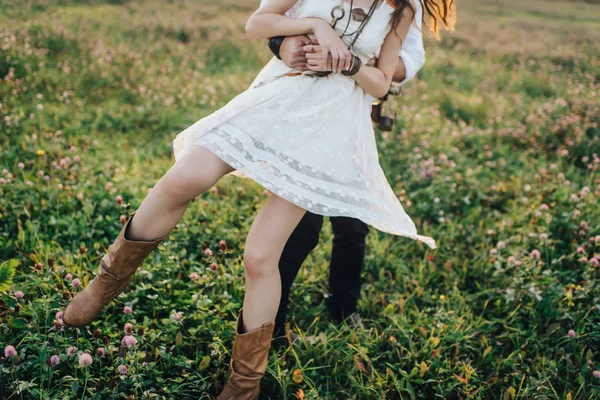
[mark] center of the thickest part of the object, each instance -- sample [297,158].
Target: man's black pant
[347,260]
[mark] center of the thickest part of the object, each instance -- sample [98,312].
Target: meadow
[495,152]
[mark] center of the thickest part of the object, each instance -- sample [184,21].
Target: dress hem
[243,169]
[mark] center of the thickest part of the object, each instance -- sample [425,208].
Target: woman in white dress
[306,136]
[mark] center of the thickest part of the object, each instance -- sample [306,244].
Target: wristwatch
[275,45]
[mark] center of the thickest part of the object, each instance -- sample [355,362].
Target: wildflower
[544,207]
[501,245]
[19,295]
[122,219]
[594,262]
[214,267]
[580,250]
[179,316]
[208,252]
[71,350]
[543,236]
[194,276]
[58,315]
[571,334]
[128,328]
[223,244]
[123,369]
[40,153]
[297,376]
[597,374]
[583,260]
[129,341]
[76,282]
[80,196]
[535,254]
[10,351]
[127,310]
[144,364]
[85,359]
[119,199]
[100,351]
[214,190]
[21,165]
[54,360]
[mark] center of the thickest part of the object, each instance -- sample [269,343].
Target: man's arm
[412,55]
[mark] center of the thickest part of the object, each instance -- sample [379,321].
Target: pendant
[337,13]
[358,14]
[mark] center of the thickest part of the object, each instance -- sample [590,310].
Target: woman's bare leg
[164,206]
[269,233]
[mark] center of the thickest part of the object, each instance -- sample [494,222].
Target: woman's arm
[376,80]
[269,21]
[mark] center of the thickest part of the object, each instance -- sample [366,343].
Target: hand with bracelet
[316,61]
[293,50]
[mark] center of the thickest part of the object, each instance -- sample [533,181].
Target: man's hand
[292,51]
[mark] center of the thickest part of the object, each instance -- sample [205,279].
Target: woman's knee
[259,263]
[180,186]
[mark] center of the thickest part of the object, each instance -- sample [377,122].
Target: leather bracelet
[275,45]
[355,66]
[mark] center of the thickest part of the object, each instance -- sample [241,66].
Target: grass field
[495,153]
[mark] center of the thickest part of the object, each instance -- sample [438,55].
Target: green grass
[495,153]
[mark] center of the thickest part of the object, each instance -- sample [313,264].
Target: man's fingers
[311,48]
[305,40]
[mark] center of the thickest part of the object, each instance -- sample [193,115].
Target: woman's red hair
[439,12]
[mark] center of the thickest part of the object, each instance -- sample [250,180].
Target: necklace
[338,13]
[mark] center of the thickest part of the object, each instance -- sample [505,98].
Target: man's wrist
[275,45]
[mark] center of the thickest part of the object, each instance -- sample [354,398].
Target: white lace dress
[310,140]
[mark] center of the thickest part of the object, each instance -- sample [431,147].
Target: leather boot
[248,362]
[117,268]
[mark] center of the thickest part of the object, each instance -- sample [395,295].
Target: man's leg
[347,261]
[302,241]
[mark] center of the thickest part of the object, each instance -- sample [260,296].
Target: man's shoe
[355,321]
[283,341]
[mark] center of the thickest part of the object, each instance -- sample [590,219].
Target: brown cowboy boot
[117,268]
[248,362]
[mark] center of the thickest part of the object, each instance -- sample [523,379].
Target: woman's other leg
[268,235]
[157,216]
[301,242]
[164,206]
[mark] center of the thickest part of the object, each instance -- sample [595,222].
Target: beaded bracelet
[355,65]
